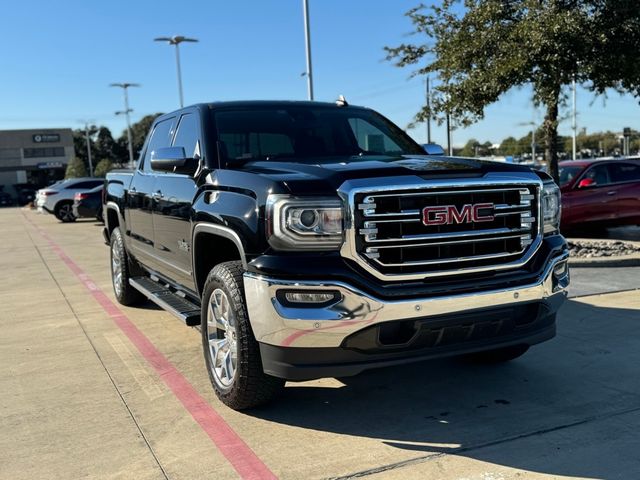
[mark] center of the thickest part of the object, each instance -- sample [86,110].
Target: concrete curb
[632,260]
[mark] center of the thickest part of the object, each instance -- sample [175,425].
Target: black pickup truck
[315,240]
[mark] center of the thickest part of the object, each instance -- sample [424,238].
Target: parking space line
[235,450]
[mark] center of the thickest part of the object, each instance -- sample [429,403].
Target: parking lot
[91,389]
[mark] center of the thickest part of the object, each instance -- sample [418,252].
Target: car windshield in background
[308,133]
[567,174]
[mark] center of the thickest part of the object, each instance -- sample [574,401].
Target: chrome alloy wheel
[116,269]
[221,332]
[66,213]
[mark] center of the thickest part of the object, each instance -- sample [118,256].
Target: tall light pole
[449,140]
[127,110]
[129,142]
[533,138]
[307,40]
[428,93]
[574,125]
[88,140]
[177,40]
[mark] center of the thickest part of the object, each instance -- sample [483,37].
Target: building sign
[46,137]
[44,165]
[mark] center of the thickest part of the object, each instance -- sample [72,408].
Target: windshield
[567,174]
[308,133]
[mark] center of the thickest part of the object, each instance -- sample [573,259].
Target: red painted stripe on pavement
[235,450]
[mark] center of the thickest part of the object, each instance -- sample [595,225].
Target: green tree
[469,149]
[105,165]
[75,169]
[484,48]
[509,146]
[105,146]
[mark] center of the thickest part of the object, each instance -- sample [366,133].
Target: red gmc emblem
[448,214]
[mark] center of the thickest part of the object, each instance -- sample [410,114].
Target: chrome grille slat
[449,260]
[369,198]
[435,236]
[404,213]
[452,242]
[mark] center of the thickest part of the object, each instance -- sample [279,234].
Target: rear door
[624,192]
[172,211]
[140,196]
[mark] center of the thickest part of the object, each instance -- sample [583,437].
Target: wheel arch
[213,244]
[112,216]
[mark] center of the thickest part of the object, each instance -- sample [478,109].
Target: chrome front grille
[390,238]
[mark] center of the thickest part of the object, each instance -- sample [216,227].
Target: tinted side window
[599,174]
[624,172]
[161,137]
[187,135]
[88,185]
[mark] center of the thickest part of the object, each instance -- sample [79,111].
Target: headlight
[551,207]
[304,223]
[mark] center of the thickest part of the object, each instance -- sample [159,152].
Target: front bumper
[328,331]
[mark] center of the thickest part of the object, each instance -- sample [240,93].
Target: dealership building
[33,157]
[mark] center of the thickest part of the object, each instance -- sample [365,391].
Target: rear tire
[64,212]
[121,271]
[231,352]
[499,355]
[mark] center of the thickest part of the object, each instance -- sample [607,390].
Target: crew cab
[314,240]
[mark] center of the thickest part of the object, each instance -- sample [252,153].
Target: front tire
[231,352]
[121,271]
[64,212]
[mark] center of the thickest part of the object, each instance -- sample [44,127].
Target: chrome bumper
[277,324]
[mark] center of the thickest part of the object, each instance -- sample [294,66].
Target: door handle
[611,192]
[157,194]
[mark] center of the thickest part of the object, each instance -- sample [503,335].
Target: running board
[168,300]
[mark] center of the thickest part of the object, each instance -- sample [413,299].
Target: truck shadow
[564,390]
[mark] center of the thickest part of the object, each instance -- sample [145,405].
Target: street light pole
[307,40]
[129,142]
[177,40]
[86,132]
[429,114]
[126,111]
[574,124]
[449,142]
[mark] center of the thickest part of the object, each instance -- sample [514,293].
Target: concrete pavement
[79,400]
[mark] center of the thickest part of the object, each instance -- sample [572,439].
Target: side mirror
[586,183]
[432,149]
[170,159]
[166,159]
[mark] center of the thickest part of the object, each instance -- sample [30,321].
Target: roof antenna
[342,102]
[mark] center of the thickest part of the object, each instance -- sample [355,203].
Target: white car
[58,198]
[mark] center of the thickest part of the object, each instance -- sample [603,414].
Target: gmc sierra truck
[315,240]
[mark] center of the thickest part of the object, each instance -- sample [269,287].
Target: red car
[602,193]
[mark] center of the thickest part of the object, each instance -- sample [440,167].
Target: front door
[590,204]
[172,212]
[140,197]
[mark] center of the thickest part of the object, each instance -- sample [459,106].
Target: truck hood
[319,178]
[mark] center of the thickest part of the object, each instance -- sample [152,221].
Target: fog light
[309,297]
[560,270]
